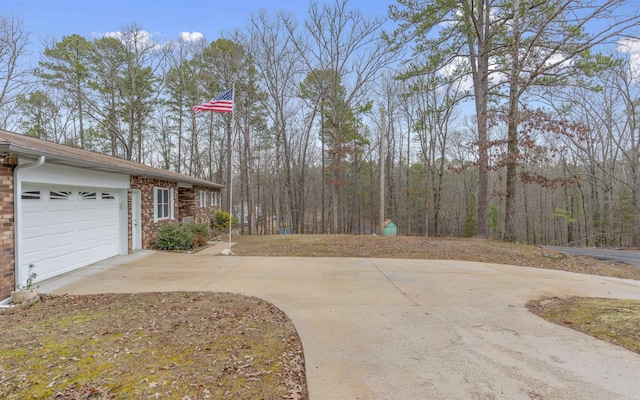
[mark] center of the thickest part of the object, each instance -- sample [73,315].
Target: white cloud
[116,35]
[139,39]
[144,40]
[451,68]
[558,60]
[632,48]
[191,36]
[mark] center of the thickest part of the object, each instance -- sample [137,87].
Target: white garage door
[66,228]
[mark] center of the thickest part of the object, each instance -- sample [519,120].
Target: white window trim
[171,204]
[203,199]
[156,217]
[214,199]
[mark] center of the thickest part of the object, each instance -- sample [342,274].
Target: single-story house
[63,208]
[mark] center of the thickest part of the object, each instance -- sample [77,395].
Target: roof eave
[21,151]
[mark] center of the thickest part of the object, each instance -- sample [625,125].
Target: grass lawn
[614,321]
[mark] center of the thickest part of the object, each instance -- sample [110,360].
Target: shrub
[199,229]
[199,240]
[200,234]
[221,221]
[174,237]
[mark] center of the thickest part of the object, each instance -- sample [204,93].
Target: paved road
[406,329]
[623,256]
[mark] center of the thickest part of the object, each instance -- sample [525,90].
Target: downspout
[17,210]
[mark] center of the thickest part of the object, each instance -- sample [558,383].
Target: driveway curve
[404,329]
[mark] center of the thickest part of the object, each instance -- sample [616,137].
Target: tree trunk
[480,74]
[512,131]
[248,173]
[383,135]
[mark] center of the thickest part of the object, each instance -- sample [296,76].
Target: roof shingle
[26,146]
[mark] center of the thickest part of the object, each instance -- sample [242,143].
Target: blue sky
[164,19]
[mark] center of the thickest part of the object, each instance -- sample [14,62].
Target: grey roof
[29,147]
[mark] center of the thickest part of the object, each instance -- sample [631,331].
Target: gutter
[17,210]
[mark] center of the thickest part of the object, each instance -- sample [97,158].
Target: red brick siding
[7,255]
[187,205]
[204,215]
[190,204]
[149,227]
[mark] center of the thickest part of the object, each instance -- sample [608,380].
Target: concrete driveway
[404,329]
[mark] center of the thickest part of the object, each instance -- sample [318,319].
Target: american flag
[222,103]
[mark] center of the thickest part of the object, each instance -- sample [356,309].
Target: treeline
[511,120]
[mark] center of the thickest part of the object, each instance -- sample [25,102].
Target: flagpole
[233,121]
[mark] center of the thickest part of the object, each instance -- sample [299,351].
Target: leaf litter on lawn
[151,345]
[431,248]
[615,321]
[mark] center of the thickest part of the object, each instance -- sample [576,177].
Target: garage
[65,228]
[63,208]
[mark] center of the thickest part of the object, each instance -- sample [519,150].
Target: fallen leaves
[166,345]
[436,248]
[616,321]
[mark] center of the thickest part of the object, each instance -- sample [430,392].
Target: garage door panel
[66,239]
[88,228]
[88,243]
[88,257]
[31,250]
[60,235]
[60,207]
[96,223]
[95,254]
[58,260]
[64,220]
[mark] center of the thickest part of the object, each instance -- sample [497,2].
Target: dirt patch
[481,250]
[152,345]
[612,320]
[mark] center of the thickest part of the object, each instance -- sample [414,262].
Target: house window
[108,196]
[203,199]
[31,195]
[162,203]
[214,200]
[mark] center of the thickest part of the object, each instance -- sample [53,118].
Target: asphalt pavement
[624,256]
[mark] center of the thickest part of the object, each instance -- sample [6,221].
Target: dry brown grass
[612,320]
[153,345]
[616,321]
[427,248]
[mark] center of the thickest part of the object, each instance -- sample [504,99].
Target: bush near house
[181,237]
[221,221]
[200,233]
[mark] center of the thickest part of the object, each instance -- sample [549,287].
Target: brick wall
[203,215]
[7,254]
[189,206]
[187,201]
[149,227]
